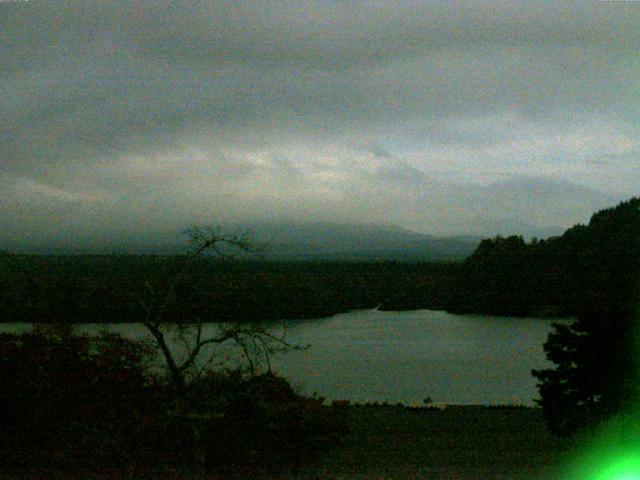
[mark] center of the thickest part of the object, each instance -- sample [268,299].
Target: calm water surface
[407,356]
[368,355]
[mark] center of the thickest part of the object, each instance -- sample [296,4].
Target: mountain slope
[353,242]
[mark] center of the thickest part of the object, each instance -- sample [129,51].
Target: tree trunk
[176,374]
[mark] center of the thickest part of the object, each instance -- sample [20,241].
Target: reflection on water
[369,355]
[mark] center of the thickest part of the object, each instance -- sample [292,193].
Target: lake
[369,355]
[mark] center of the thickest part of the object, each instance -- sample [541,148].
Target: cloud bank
[124,118]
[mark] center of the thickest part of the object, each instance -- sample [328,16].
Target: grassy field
[464,442]
[393,443]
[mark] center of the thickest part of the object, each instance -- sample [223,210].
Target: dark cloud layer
[151,115]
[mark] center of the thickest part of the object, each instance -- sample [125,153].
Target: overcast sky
[452,117]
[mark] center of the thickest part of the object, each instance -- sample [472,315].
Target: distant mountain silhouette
[295,241]
[358,242]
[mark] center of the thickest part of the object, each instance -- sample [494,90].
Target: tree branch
[250,338]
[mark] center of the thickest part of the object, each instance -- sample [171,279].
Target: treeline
[110,288]
[595,377]
[562,276]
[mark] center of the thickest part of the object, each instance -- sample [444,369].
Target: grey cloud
[312,31]
[361,111]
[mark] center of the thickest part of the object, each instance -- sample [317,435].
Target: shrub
[77,403]
[69,399]
[259,422]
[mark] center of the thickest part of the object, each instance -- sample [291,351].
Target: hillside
[333,241]
[283,241]
[559,276]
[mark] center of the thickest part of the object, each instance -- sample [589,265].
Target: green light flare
[613,454]
[607,466]
[613,451]
[622,468]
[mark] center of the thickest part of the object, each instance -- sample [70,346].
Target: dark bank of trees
[508,276]
[107,288]
[597,358]
[560,276]
[590,273]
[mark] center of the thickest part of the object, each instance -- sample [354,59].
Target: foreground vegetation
[79,404]
[389,442]
[459,442]
[74,406]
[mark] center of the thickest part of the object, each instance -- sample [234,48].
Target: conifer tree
[597,357]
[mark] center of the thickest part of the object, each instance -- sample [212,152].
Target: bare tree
[255,341]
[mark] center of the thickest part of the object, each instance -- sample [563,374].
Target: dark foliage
[80,404]
[561,276]
[108,288]
[597,358]
[507,276]
[592,273]
[260,422]
[70,400]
